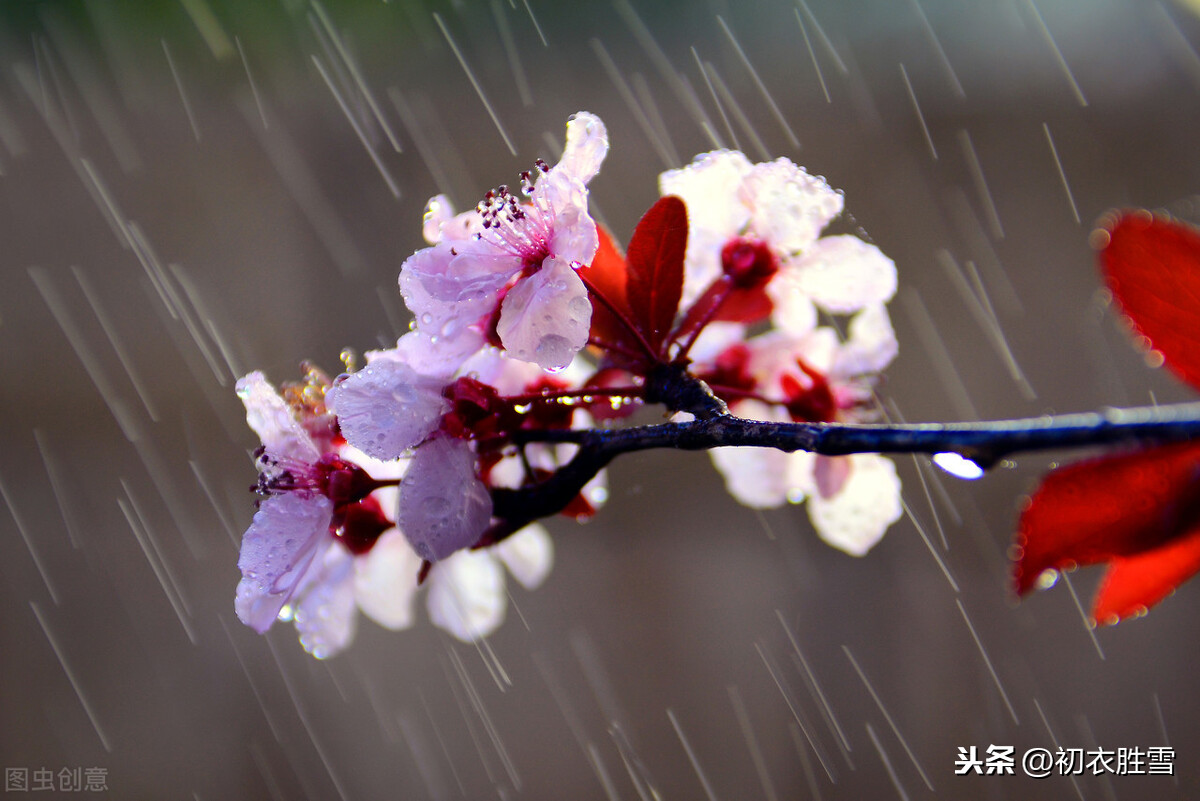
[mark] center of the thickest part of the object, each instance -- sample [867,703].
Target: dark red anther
[730,370]
[476,409]
[812,404]
[358,525]
[341,481]
[749,263]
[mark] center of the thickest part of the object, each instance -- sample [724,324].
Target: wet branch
[983,443]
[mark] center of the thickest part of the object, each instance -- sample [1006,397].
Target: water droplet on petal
[579,307]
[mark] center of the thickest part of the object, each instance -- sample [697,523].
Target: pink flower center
[340,481]
[521,229]
[749,263]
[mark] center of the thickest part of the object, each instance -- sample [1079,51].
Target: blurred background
[192,190]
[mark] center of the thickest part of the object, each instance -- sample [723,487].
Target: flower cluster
[324,540]
[755,255]
[432,462]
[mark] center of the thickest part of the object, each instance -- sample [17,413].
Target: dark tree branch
[983,443]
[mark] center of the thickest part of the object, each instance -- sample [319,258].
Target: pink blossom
[444,506]
[467,596]
[781,377]
[319,546]
[516,257]
[735,207]
[387,407]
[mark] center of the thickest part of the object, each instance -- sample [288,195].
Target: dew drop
[579,307]
[795,495]
[958,466]
[426,319]
[1047,579]
[597,496]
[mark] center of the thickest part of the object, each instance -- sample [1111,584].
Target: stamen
[522,230]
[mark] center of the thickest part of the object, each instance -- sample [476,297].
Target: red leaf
[1152,266]
[1134,584]
[606,276]
[605,279]
[655,262]
[1113,508]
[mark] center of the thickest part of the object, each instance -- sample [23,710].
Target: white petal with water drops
[858,516]
[270,418]
[277,551]
[444,507]
[788,206]
[545,318]
[466,595]
[528,555]
[325,615]
[586,147]
[844,274]
[385,581]
[387,407]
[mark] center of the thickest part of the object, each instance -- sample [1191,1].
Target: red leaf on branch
[605,276]
[613,328]
[1152,266]
[655,264]
[1139,511]
[1134,584]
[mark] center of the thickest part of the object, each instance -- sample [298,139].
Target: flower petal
[442,223]
[857,517]
[792,309]
[528,555]
[439,356]
[763,478]
[709,187]
[573,235]
[586,147]
[325,616]
[872,344]
[466,595]
[277,551]
[830,474]
[273,421]
[844,274]
[789,207]
[387,407]
[444,507]
[545,318]
[385,581]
